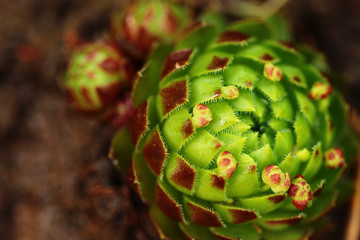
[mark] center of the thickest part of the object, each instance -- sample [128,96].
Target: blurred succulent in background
[144,23]
[97,73]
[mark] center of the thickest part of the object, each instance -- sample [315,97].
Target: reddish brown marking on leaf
[292,190]
[288,221]
[173,96]
[230,171]
[268,169]
[316,153]
[233,36]
[275,179]
[267,57]
[175,61]
[203,216]
[187,129]
[225,162]
[218,63]
[167,205]
[310,196]
[251,168]
[86,94]
[331,125]
[202,106]
[139,122]
[277,198]
[289,45]
[217,182]
[301,204]
[242,216]
[110,65]
[193,27]
[296,79]
[318,191]
[108,94]
[155,152]
[217,93]
[269,70]
[248,84]
[184,175]
[218,144]
[203,121]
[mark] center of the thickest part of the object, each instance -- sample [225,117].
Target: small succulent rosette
[146,22]
[96,74]
[237,135]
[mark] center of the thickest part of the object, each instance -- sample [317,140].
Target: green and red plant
[237,135]
[237,132]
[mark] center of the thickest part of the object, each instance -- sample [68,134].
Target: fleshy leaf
[283,109]
[246,176]
[181,174]
[264,204]
[302,131]
[223,116]
[290,165]
[243,73]
[213,186]
[155,152]
[120,150]
[263,157]
[284,143]
[177,129]
[201,149]
[273,90]
[314,163]
[243,103]
[234,214]
[210,63]
[205,88]
[201,214]
[168,201]
[172,97]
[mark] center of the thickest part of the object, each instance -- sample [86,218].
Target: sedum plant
[237,135]
[97,72]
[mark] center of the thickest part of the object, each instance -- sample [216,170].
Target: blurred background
[55,179]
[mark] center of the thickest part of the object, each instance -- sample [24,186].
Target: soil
[55,179]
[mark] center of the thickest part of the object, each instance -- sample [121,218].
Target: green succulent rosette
[96,74]
[238,135]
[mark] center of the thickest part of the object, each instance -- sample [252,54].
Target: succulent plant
[146,22]
[237,135]
[97,72]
